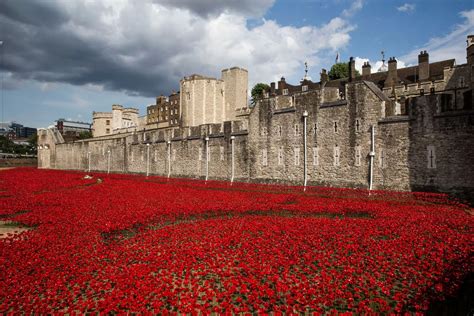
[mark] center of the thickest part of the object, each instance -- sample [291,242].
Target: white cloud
[355,6]
[376,64]
[407,7]
[452,45]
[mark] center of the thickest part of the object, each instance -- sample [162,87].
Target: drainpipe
[305,165]
[89,161]
[372,155]
[147,159]
[169,158]
[207,157]
[232,140]
[108,161]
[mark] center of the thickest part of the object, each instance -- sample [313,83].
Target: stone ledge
[395,119]
[216,135]
[333,103]
[454,113]
[285,110]
[239,133]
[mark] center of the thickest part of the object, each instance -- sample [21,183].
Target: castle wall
[427,149]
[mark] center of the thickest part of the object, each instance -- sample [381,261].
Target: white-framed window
[335,126]
[200,154]
[280,156]
[264,157]
[315,156]
[297,156]
[297,129]
[431,157]
[382,161]
[337,156]
[221,149]
[357,125]
[285,92]
[357,155]
[173,155]
[304,88]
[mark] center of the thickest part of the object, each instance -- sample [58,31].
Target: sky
[66,58]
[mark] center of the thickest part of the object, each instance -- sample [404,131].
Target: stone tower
[236,91]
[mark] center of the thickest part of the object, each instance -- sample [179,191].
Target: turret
[324,78]
[352,69]
[392,77]
[366,69]
[424,66]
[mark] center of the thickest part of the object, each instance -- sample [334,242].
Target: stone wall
[423,150]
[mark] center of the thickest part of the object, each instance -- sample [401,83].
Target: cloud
[355,6]
[143,48]
[215,7]
[375,64]
[407,7]
[451,45]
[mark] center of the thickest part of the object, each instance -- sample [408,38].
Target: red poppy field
[126,244]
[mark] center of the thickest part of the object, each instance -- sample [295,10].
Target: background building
[120,119]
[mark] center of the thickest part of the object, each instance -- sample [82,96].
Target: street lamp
[147,159]
[207,157]
[108,161]
[169,159]
[232,141]
[305,117]
[2,45]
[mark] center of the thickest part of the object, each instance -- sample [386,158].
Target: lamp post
[2,45]
[305,165]
[147,159]
[372,155]
[207,157]
[169,158]
[232,141]
[89,161]
[108,161]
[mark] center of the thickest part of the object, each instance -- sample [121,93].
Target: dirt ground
[7,227]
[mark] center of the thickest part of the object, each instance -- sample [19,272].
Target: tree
[257,92]
[85,135]
[340,70]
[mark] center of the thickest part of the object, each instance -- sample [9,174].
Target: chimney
[392,77]
[352,70]
[281,83]
[324,77]
[272,88]
[470,50]
[423,66]
[366,69]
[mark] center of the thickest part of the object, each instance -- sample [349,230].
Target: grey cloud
[252,8]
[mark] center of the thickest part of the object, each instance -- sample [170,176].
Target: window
[107,130]
[461,82]
[335,127]
[285,91]
[357,125]
[315,156]
[107,122]
[431,157]
[382,159]
[304,88]
[357,155]
[280,156]
[297,129]
[337,156]
[188,96]
[222,153]
[297,156]
[264,157]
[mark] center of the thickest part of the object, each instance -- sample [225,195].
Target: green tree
[257,92]
[85,134]
[340,70]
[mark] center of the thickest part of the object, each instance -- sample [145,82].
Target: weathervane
[383,56]
[305,69]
